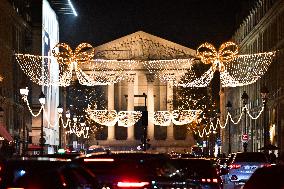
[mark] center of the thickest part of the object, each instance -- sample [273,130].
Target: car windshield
[250,157]
[194,168]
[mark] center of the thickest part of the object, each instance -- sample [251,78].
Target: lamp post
[245,102]
[24,91]
[264,95]
[42,139]
[60,111]
[229,107]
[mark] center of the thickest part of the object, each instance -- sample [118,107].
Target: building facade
[261,31]
[45,28]
[142,91]
[15,36]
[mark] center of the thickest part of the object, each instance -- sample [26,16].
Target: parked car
[149,170]
[243,166]
[45,173]
[266,178]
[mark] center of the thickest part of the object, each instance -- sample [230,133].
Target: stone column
[150,105]
[170,129]
[130,104]
[110,106]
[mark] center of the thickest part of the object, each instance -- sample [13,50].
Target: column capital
[150,77]
[130,78]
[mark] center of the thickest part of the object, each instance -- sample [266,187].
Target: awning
[4,133]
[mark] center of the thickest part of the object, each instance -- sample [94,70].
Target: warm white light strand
[25,98]
[178,117]
[111,117]
[229,116]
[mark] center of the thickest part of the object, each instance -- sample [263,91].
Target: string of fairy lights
[111,117]
[206,131]
[177,117]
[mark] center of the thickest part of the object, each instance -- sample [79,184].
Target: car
[243,166]
[267,177]
[44,173]
[197,173]
[130,169]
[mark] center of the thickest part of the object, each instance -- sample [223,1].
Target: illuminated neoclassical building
[142,89]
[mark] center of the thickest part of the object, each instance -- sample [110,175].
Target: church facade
[143,91]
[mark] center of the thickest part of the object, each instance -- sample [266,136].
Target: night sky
[186,22]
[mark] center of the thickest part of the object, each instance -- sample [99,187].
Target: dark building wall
[261,31]
[15,37]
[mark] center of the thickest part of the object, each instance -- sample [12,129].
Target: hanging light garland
[111,117]
[178,117]
[25,92]
[74,126]
[212,128]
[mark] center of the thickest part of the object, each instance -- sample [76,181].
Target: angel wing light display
[69,63]
[235,70]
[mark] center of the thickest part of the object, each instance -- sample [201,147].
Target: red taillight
[132,184]
[234,166]
[98,160]
[266,165]
[214,180]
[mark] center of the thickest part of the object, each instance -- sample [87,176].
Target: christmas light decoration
[178,117]
[24,92]
[170,70]
[128,118]
[162,118]
[111,117]
[63,59]
[211,128]
[74,126]
[235,70]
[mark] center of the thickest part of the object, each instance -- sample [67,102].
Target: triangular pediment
[143,46]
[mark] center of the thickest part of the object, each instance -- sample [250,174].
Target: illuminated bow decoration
[209,55]
[83,53]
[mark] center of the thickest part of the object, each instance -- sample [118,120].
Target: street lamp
[245,102]
[24,91]
[60,111]
[42,139]
[264,95]
[229,107]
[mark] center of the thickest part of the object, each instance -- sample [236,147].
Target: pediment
[142,46]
